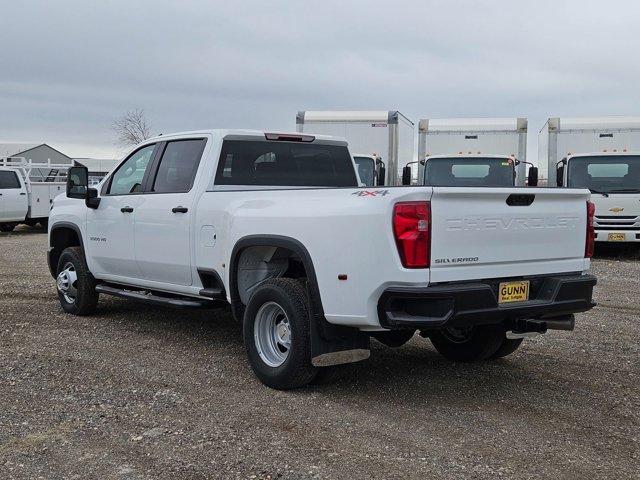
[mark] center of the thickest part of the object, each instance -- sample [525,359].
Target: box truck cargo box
[388,135]
[472,151]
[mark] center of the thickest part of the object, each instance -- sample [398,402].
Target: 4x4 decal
[371,193]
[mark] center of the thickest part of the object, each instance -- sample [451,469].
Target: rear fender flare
[272,241]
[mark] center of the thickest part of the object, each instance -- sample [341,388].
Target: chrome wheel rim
[272,334]
[67,282]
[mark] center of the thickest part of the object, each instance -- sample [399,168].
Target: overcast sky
[69,68]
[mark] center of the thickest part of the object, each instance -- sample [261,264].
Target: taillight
[591,234]
[412,231]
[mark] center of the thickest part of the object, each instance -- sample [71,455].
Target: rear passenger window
[9,180]
[265,163]
[178,166]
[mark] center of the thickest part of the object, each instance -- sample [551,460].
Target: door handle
[126,209]
[179,209]
[22,193]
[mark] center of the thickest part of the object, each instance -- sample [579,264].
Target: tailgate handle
[520,199]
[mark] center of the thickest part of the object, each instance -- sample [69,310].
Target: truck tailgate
[482,233]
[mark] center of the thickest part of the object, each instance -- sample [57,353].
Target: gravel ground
[143,392]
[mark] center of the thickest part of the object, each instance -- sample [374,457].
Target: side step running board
[212,293]
[148,297]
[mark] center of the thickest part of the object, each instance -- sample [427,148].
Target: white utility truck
[273,224]
[603,155]
[27,191]
[478,152]
[386,136]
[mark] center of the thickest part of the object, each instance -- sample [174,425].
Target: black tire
[290,296]
[394,338]
[7,227]
[85,299]
[509,345]
[478,343]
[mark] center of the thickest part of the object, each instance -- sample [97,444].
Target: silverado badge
[616,209]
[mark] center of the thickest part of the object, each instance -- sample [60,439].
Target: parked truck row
[598,153]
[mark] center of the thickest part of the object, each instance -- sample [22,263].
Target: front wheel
[468,344]
[76,287]
[276,334]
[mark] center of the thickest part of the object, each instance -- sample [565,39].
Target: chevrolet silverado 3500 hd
[273,224]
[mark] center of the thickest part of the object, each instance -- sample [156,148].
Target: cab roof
[224,133]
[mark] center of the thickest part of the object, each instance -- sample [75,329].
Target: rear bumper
[466,304]
[629,235]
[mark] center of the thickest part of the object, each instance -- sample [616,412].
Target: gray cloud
[71,67]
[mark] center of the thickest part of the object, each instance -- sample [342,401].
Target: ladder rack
[37,172]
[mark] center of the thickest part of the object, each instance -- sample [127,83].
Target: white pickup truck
[274,225]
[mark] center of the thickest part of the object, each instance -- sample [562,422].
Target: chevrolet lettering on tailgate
[513,223]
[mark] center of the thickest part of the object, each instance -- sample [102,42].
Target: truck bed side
[345,231]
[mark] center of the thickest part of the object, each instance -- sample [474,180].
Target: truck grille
[618,222]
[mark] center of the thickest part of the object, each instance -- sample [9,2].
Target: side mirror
[560,175]
[532,177]
[382,173]
[92,200]
[77,182]
[406,175]
[78,187]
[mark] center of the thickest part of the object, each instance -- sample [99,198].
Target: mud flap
[334,344]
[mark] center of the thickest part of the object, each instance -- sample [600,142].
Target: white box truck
[603,155]
[472,152]
[383,137]
[27,190]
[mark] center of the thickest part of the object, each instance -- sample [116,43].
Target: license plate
[509,292]
[617,237]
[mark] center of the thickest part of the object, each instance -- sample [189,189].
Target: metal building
[34,152]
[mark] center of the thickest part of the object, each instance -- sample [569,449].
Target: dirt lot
[139,392]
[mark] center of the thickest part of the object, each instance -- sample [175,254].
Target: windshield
[469,172]
[366,170]
[607,174]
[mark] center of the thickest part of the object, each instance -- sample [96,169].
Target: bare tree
[132,128]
